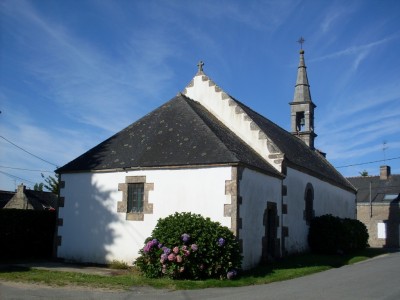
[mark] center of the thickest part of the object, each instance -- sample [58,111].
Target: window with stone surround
[135,198]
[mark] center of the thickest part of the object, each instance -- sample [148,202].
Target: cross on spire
[301,42]
[200,66]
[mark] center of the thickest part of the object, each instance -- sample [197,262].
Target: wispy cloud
[335,13]
[89,85]
[356,49]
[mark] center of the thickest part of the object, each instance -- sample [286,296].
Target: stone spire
[302,107]
[302,88]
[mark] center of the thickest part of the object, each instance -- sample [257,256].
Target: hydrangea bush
[189,246]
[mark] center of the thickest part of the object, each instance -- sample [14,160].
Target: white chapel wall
[93,231]
[328,199]
[256,189]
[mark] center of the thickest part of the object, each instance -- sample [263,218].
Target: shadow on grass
[313,262]
[13,269]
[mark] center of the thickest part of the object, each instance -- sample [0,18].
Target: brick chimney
[385,172]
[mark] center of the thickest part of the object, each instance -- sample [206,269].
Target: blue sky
[73,73]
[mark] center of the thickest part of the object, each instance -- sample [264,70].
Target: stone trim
[263,139]
[232,209]
[284,209]
[285,231]
[122,206]
[61,202]
[284,190]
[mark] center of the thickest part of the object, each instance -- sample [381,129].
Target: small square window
[135,197]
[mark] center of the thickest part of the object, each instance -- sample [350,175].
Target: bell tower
[302,107]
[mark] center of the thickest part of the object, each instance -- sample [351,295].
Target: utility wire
[46,161]
[13,176]
[42,171]
[370,162]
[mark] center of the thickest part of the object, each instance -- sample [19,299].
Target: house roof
[381,190]
[5,196]
[179,133]
[29,199]
[47,200]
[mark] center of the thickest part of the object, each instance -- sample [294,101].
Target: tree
[38,187]
[50,183]
[364,173]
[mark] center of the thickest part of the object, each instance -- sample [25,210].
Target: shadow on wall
[392,225]
[87,233]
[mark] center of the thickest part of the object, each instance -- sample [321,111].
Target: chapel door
[270,221]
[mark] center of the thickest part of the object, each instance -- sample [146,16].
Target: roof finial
[200,65]
[301,42]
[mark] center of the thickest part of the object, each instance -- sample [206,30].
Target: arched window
[309,203]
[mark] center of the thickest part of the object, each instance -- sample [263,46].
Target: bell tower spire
[302,107]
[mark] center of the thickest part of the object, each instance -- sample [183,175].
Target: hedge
[26,233]
[329,235]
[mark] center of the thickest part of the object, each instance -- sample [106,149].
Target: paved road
[377,278]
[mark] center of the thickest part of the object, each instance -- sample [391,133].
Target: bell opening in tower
[300,120]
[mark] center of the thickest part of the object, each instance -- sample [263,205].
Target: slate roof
[297,153]
[179,133]
[47,200]
[379,188]
[183,133]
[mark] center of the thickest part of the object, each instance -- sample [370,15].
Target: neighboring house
[207,153]
[29,199]
[378,207]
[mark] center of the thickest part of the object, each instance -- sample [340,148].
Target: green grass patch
[287,268]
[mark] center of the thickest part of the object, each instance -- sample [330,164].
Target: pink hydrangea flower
[163,258]
[176,250]
[171,257]
[194,247]
[178,258]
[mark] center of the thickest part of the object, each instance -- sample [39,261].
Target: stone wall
[383,223]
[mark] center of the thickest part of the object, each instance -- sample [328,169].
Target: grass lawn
[287,268]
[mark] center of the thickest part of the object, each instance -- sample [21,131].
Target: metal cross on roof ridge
[301,42]
[200,65]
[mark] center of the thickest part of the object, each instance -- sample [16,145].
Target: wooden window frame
[123,206]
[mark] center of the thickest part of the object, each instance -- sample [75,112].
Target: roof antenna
[384,147]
